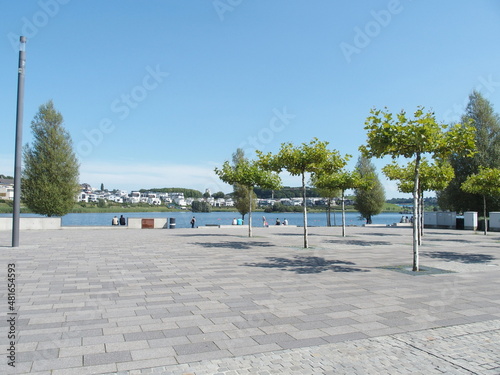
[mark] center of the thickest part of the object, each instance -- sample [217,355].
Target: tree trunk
[329,213]
[416,214]
[250,212]
[421,218]
[485,218]
[305,209]
[343,215]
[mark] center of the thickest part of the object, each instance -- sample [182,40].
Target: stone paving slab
[197,301]
[467,349]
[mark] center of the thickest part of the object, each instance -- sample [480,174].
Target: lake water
[182,219]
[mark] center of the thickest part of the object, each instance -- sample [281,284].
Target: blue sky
[158,93]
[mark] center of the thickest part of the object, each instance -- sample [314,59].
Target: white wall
[495,221]
[31,223]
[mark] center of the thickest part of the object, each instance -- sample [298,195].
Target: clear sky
[158,93]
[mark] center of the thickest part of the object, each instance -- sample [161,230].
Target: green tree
[218,195]
[486,183]
[342,180]
[486,123]
[50,176]
[433,177]
[248,174]
[200,206]
[413,138]
[369,201]
[299,160]
[330,195]
[244,198]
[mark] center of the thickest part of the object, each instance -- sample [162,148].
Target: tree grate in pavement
[423,270]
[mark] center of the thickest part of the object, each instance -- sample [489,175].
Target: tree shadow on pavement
[451,256]
[207,235]
[360,243]
[304,265]
[381,234]
[234,244]
[448,240]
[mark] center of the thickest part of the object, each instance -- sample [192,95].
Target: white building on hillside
[135,197]
[6,189]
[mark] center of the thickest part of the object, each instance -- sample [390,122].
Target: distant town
[155,198]
[89,194]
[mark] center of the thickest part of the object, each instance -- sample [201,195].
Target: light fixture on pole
[19,143]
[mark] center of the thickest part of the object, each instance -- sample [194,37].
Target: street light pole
[19,143]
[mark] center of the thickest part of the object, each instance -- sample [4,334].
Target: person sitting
[278,222]
[114,221]
[122,220]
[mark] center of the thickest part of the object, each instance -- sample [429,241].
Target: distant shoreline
[118,210]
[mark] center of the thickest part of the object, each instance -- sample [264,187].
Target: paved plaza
[213,301]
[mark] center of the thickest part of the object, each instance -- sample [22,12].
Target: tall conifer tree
[369,201]
[51,170]
[486,122]
[243,197]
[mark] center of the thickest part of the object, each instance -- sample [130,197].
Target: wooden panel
[148,223]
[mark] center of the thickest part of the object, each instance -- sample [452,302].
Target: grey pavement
[213,301]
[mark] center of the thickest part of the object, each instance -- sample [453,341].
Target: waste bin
[171,223]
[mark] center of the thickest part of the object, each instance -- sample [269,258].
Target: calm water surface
[182,219]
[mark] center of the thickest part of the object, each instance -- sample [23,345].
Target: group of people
[278,222]
[237,221]
[404,219]
[284,222]
[120,221]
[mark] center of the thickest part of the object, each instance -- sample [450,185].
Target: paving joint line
[437,356]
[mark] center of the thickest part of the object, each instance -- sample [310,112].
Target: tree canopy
[486,125]
[298,160]
[433,176]
[248,174]
[244,198]
[485,183]
[413,137]
[369,200]
[341,180]
[50,176]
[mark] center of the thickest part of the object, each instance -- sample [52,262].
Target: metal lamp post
[19,137]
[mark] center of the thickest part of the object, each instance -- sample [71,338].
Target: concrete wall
[159,222]
[134,222]
[31,223]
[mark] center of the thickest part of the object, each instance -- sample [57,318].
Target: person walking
[193,222]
